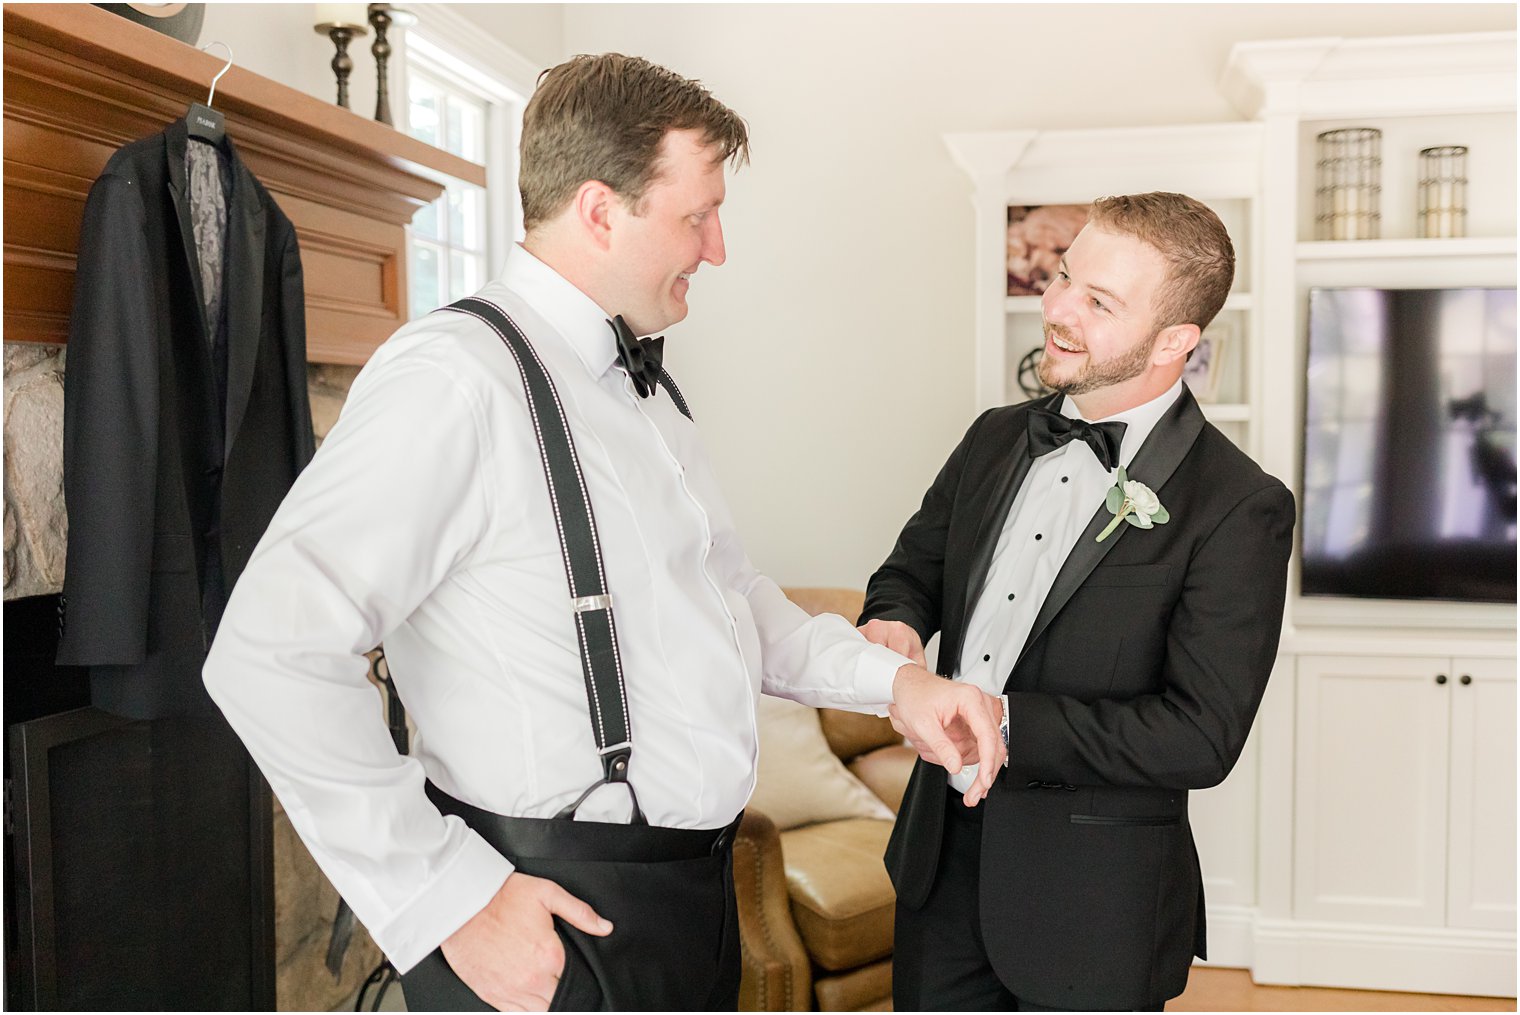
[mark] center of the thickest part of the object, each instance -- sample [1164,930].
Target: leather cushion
[846,602]
[868,988]
[851,734]
[841,897]
[886,771]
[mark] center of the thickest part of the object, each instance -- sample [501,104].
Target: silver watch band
[1003,727]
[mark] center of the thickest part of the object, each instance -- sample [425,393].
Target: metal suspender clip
[588,604]
[615,761]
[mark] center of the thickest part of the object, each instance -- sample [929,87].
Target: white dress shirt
[1060,494]
[424,522]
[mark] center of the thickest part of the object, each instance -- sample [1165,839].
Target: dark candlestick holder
[384,17]
[342,63]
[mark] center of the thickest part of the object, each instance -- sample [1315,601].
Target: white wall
[279,41]
[535,31]
[830,361]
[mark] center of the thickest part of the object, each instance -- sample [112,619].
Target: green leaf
[1162,516]
[1122,478]
[1114,500]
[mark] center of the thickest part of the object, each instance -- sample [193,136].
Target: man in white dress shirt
[425,522]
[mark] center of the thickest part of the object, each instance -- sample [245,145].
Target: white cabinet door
[1482,877]
[1371,790]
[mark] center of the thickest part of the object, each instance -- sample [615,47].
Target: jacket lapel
[1015,468]
[1164,450]
[243,291]
[175,140]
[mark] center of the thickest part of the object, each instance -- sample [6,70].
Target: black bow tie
[1050,430]
[640,357]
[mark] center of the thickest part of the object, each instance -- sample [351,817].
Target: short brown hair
[603,118]
[1199,256]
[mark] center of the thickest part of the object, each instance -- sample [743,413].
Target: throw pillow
[800,781]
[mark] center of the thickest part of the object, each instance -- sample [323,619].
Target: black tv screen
[1409,445]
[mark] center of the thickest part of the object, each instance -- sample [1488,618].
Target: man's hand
[951,724]
[895,635]
[509,953]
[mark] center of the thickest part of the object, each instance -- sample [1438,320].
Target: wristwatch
[1003,727]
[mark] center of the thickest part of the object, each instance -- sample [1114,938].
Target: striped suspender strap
[590,603]
[669,384]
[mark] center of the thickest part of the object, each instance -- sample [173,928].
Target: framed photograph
[1206,366]
[1038,235]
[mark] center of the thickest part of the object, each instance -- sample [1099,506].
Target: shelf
[1361,250]
[1031,304]
[1226,412]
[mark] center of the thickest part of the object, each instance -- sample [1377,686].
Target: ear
[1174,344]
[593,209]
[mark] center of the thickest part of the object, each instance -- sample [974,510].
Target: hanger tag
[205,123]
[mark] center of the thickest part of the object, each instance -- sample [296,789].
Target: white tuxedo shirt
[424,522]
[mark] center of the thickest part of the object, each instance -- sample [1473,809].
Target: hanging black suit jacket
[1139,681]
[164,486]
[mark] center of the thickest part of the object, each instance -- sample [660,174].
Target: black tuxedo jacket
[168,484]
[1138,682]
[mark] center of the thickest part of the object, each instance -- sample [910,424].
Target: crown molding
[1326,78]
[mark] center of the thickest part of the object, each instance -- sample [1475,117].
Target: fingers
[576,913]
[997,751]
[989,741]
[944,751]
[895,635]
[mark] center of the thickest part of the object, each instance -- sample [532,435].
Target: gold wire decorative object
[1443,191]
[1348,185]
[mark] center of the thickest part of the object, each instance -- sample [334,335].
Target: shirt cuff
[874,672]
[445,903]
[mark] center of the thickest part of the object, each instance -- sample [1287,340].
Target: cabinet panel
[1482,871]
[1371,789]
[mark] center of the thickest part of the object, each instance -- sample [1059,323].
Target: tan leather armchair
[815,905]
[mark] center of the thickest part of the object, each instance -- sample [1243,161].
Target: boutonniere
[1133,502]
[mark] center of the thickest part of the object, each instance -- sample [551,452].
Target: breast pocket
[1128,575]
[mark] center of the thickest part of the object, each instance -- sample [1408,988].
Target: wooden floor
[1212,989]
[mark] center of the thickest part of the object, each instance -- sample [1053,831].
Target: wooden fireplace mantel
[81,82]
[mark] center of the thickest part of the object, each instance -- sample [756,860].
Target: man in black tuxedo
[1113,565]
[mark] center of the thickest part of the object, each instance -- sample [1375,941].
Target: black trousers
[939,959]
[669,893]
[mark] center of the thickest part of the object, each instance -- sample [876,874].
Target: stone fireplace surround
[36,535]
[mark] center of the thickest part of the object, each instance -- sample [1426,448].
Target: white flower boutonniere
[1133,502]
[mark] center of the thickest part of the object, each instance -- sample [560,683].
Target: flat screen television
[1409,445]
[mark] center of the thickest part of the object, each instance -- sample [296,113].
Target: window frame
[446,48]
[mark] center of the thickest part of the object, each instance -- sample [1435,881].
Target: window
[457,243]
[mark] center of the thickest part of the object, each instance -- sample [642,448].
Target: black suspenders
[601,663]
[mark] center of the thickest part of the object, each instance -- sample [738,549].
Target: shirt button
[1063,479]
[1010,597]
[1037,536]
[986,659]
